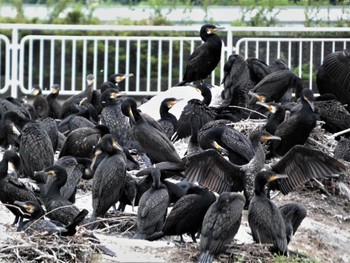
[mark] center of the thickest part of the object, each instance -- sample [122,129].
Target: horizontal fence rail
[66,54]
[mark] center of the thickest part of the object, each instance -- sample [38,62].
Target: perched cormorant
[54,105]
[220,225]
[265,219]
[275,85]
[167,119]
[278,64]
[205,57]
[153,142]
[81,142]
[276,116]
[11,189]
[258,69]
[58,208]
[40,103]
[297,128]
[200,108]
[73,103]
[109,177]
[236,82]
[187,214]
[37,223]
[152,207]
[333,76]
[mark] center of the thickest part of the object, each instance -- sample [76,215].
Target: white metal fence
[62,54]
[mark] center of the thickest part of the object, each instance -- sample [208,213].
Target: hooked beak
[220,149]
[266,138]
[271,108]
[259,97]
[276,176]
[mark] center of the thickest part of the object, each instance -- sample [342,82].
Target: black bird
[297,128]
[81,141]
[40,103]
[276,116]
[333,76]
[200,108]
[50,126]
[293,214]
[54,104]
[220,225]
[37,223]
[12,104]
[74,103]
[236,82]
[278,64]
[117,78]
[109,177]
[167,119]
[152,207]
[275,85]
[265,219]
[11,189]
[129,193]
[258,69]
[153,142]
[112,117]
[187,214]
[205,57]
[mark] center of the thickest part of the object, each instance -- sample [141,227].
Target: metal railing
[66,54]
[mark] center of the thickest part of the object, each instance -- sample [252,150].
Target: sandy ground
[324,235]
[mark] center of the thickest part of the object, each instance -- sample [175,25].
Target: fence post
[14,47]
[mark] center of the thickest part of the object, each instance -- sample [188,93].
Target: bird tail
[206,257]
[76,221]
[155,236]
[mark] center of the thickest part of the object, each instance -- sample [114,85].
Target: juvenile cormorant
[333,76]
[54,105]
[11,189]
[109,177]
[37,223]
[220,225]
[152,208]
[58,208]
[40,103]
[297,128]
[265,219]
[167,119]
[236,82]
[205,57]
[187,214]
[81,142]
[153,142]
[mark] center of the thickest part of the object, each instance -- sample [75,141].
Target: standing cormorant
[167,119]
[10,188]
[40,103]
[265,219]
[220,225]
[54,105]
[205,57]
[153,142]
[187,214]
[109,177]
[152,207]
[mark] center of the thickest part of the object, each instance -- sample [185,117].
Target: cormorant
[265,219]
[275,85]
[58,208]
[11,189]
[152,207]
[109,177]
[154,143]
[167,119]
[278,64]
[276,116]
[40,103]
[205,57]
[73,103]
[201,108]
[258,69]
[37,223]
[81,142]
[54,105]
[118,78]
[236,82]
[333,76]
[187,214]
[220,225]
[297,128]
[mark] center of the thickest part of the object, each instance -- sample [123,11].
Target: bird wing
[301,164]
[213,171]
